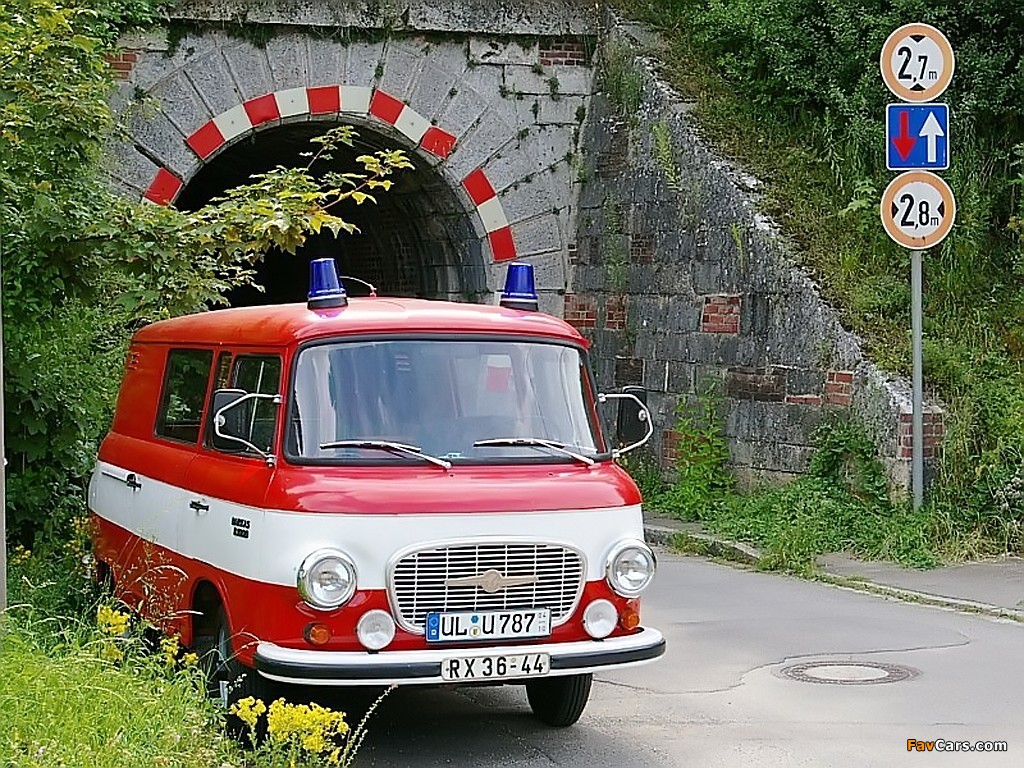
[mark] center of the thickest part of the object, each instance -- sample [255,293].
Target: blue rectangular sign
[916,136]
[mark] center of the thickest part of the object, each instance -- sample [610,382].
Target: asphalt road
[718,698]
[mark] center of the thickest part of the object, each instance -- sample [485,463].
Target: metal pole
[917,460]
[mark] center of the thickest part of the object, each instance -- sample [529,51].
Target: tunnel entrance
[417,241]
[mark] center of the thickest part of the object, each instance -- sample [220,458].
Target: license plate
[496,667]
[456,626]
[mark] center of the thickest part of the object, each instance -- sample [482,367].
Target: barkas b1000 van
[377,491]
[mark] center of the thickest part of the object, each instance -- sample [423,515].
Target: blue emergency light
[325,289]
[519,290]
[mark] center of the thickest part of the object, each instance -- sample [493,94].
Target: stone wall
[684,286]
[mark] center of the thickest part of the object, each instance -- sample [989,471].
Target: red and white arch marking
[244,118]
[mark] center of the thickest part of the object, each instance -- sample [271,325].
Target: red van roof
[284,324]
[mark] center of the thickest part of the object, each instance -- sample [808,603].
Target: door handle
[132,481]
[199,506]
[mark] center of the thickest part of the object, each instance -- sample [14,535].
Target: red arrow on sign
[904,142]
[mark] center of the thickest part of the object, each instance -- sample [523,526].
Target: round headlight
[631,568]
[327,579]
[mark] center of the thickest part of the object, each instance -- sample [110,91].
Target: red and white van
[374,491]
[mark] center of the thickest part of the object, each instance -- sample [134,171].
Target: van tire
[559,701]
[227,679]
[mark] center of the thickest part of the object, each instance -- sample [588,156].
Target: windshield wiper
[386,445]
[535,442]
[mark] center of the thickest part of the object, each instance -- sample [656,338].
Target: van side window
[258,374]
[185,384]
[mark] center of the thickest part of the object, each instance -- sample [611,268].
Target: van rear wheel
[559,701]
[227,678]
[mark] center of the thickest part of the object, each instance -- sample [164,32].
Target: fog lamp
[599,619]
[376,629]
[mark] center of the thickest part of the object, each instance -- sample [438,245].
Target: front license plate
[496,667]
[455,626]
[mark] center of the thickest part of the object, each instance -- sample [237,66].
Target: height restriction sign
[918,209]
[917,62]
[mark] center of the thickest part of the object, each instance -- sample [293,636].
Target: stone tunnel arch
[492,138]
[416,241]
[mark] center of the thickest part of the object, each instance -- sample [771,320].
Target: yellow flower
[189,660]
[112,622]
[110,652]
[310,728]
[248,710]
[169,648]
[20,555]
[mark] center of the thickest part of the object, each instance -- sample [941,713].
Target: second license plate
[456,626]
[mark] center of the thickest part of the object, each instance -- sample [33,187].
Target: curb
[705,544]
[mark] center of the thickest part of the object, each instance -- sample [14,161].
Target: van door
[221,524]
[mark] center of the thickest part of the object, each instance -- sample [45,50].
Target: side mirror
[231,420]
[227,423]
[633,424]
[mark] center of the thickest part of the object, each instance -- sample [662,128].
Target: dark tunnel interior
[417,241]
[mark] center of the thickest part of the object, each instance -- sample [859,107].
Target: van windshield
[462,401]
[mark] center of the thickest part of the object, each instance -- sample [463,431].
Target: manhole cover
[848,672]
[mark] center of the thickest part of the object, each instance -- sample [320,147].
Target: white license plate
[462,626]
[496,667]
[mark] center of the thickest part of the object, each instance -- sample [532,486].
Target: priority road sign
[918,209]
[916,136]
[917,62]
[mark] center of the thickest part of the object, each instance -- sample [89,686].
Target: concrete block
[512,166]
[537,235]
[528,82]
[134,170]
[526,200]
[362,61]
[491,51]
[681,378]
[549,271]
[570,80]
[325,61]
[550,144]
[563,111]
[213,82]
[250,69]
[474,150]
[175,97]
[463,111]
[656,375]
[161,138]
[153,64]
[402,65]
[433,90]
[286,53]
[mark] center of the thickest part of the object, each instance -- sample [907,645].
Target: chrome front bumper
[348,668]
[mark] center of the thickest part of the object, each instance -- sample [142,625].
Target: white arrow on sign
[930,131]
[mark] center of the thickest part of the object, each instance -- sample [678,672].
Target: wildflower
[311,728]
[189,660]
[20,555]
[248,710]
[112,622]
[169,649]
[109,651]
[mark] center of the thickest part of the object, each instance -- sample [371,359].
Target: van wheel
[227,679]
[559,701]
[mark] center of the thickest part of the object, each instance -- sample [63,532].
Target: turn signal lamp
[519,290]
[325,289]
[629,616]
[317,634]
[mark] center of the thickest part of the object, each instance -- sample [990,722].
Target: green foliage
[81,267]
[701,477]
[621,81]
[792,89]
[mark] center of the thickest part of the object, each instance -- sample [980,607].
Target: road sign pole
[917,458]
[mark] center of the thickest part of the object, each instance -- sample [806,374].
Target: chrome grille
[417,583]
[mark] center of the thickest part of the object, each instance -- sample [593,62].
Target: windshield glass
[441,397]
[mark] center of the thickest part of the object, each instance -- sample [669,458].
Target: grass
[85,685]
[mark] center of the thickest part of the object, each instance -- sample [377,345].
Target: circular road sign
[917,62]
[918,209]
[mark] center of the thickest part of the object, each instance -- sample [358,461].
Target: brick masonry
[563,52]
[934,432]
[721,314]
[580,311]
[123,63]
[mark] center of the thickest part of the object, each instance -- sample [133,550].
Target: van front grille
[420,582]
